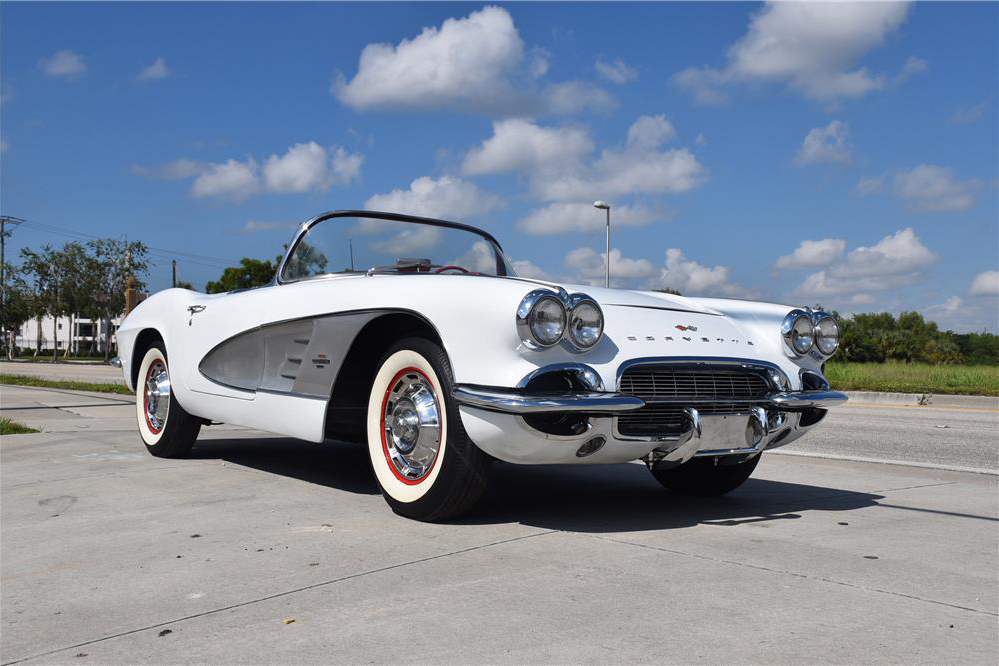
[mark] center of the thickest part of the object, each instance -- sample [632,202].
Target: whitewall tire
[424,463]
[166,429]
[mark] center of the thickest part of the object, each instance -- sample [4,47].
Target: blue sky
[840,154]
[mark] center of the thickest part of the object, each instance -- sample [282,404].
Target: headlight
[798,332]
[827,335]
[586,322]
[541,319]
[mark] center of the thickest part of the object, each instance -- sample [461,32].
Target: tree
[250,273]
[37,266]
[113,261]
[184,284]
[17,308]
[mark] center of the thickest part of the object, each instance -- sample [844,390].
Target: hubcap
[156,396]
[411,423]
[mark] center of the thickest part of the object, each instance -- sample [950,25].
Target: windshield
[358,244]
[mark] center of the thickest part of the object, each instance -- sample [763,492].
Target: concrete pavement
[269,550]
[80,372]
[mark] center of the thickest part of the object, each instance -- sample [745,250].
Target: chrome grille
[675,384]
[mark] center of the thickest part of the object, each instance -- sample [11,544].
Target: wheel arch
[345,417]
[143,341]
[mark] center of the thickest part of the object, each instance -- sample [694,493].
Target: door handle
[195,309]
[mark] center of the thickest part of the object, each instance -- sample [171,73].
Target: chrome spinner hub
[156,396]
[412,425]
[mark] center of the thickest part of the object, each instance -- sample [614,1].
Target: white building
[86,334]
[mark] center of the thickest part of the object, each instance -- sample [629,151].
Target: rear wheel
[425,464]
[166,429]
[701,476]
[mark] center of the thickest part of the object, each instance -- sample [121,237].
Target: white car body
[269,358]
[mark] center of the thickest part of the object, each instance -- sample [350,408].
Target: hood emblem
[681,327]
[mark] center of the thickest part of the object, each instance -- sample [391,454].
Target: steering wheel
[452,268]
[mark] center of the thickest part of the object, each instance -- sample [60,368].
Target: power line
[163,253]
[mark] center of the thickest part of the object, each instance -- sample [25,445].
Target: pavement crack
[278,595]
[821,579]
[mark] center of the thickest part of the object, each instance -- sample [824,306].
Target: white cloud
[898,260]
[650,132]
[230,180]
[825,144]
[445,197]
[157,70]
[571,97]
[813,47]
[587,266]
[693,279]
[476,63]
[985,284]
[567,217]
[932,189]
[969,114]
[701,139]
[629,171]
[413,240]
[871,185]
[812,253]
[520,145]
[304,167]
[555,160]
[616,72]
[528,269]
[309,167]
[63,63]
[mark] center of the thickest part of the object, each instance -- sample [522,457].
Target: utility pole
[351,241]
[173,273]
[7,225]
[603,205]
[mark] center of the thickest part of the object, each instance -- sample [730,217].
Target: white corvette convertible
[416,337]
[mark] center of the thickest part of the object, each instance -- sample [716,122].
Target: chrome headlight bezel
[820,319]
[787,330]
[577,302]
[568,302]
[526,311]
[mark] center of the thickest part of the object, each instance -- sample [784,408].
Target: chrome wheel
[156,396]
[411,425]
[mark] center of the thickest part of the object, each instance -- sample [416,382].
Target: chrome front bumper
[501,422]
[520,401]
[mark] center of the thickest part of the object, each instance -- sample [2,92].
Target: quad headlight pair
[805,330]
[546,317]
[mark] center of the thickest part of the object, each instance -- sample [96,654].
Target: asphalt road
[269,550]
[81,372]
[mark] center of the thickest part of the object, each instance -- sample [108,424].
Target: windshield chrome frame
[395,217]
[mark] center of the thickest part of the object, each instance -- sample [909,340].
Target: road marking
[888,405]
[879,461]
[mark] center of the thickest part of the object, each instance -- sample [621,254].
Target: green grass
[20,380]
[914,378]
[8,427]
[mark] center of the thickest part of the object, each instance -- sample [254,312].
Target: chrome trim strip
[804,399]
[514,402]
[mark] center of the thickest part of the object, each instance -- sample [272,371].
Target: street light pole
[603,205]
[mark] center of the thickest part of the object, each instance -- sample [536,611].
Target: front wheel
[166,429]
[427,467]
[701,476]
